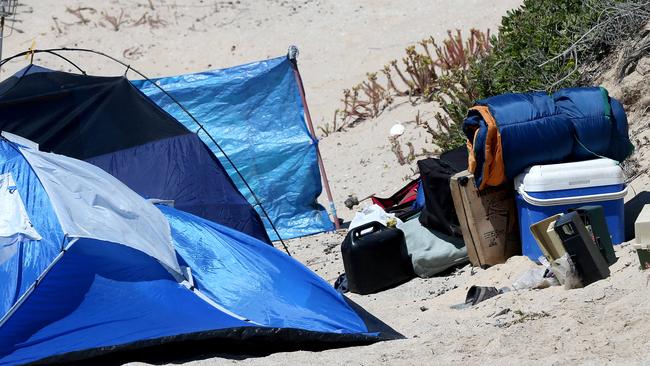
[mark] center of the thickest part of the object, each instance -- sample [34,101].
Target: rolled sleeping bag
[509,132]
[599,121]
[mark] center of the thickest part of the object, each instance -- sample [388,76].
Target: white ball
[397,129]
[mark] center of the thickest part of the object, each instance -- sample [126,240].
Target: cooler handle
[357,231]
[572,200]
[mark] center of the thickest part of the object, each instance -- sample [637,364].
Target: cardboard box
[488,220]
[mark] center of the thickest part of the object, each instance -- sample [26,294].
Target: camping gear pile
[563,153]
[543,179]
[421,222]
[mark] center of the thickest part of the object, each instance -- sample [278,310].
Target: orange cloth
[494,172]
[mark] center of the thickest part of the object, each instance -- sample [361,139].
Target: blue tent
[256,115]
[89,268]
[110,123]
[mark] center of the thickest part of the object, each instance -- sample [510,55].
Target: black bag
[457,158]
[438,212]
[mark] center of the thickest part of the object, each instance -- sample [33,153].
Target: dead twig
[115,21]
[419,76]
[78,12]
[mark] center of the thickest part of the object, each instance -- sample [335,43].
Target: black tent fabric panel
[242,342]
[182,169]
[82,116]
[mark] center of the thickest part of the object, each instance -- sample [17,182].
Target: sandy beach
[340,41]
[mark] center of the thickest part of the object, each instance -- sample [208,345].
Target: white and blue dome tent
[88,268]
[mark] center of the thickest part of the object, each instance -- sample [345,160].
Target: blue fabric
[255,113]
[599,120]
[620,147]
[20,271]
[103,294]
[587,111]
[531,130]
[573,124]
[419,198]
[182,169]
[256,281]
[100,295]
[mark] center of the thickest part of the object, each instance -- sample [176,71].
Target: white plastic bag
[534,279]
[373,213]
[566,272]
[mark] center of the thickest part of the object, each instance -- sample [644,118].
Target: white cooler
[546,190]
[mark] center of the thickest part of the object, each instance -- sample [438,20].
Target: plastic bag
[566,272]
[535,278]
[374,213]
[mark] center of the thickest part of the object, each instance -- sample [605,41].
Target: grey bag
[432,251]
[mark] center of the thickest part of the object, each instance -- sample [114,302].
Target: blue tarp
[255,113]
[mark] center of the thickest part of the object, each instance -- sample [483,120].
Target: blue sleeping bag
[509,132]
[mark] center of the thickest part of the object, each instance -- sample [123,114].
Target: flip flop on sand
[477,294]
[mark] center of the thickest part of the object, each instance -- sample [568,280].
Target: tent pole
[310,125]
[2,30]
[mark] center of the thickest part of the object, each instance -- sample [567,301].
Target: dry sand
[340,41]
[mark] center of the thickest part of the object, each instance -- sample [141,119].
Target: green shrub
[541,46]
[529,37]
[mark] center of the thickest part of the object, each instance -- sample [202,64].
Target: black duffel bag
[438,212]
